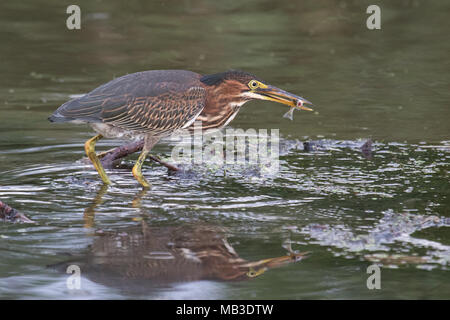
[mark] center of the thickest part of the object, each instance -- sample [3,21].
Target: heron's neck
[219,110]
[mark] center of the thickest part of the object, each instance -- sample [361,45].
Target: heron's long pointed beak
[259,267]
[275,94]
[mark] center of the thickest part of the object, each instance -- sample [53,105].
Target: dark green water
[389,85]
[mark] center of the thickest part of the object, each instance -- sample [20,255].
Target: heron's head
[240,87]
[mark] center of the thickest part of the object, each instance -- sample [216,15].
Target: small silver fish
[290,114]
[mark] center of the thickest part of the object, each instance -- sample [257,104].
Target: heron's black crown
[218,78]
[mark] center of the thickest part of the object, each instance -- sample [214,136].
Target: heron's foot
[137,201]
[137,170]
[89,147]
[89,212]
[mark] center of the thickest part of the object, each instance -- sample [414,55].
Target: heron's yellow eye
[253,84]
[254,273]
[251,274]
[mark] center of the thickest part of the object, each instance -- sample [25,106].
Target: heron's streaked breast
[218,117]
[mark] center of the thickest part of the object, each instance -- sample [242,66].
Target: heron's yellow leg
[89,212]
[137,170]
[89,146]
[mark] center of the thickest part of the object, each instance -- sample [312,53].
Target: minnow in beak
[275,94]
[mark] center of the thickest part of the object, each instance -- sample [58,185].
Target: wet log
[366,149]
[9,214]
[112,158]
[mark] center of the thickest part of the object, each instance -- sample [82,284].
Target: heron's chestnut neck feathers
[222,104]
[224,97]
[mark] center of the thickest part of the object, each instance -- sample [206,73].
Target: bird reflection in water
[167,254]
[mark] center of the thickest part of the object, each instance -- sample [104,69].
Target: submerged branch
[12,215]
[112,158]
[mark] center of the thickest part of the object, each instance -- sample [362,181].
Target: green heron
[157,103]
[168,254]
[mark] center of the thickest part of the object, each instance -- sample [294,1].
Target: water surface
[349,210]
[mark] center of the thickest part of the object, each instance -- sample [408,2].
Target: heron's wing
[151,101]
[166,112]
